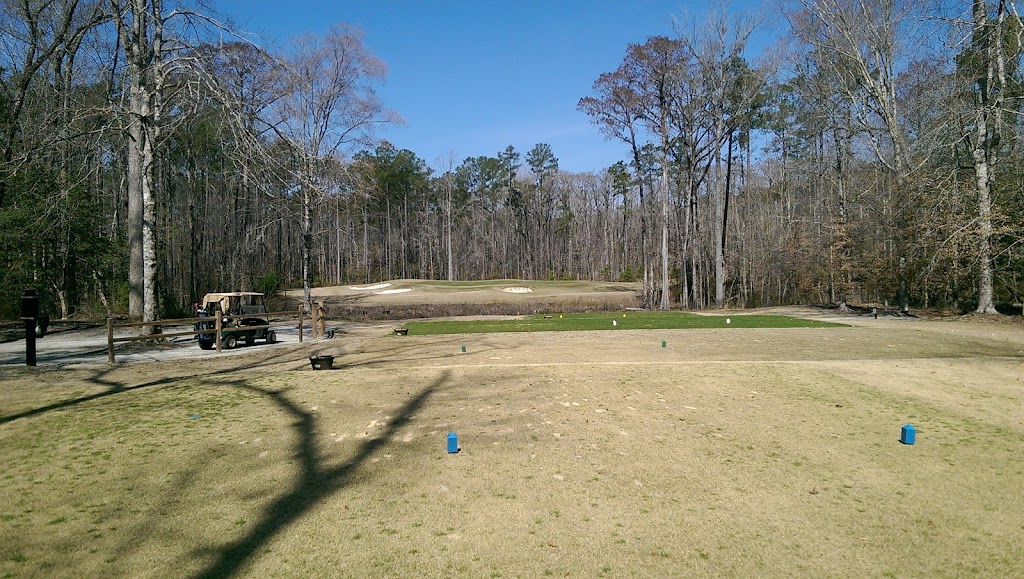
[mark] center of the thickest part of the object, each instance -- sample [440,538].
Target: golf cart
[239,310]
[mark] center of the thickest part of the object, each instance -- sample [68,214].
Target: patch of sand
[369,287]
[516,290]
[395,291]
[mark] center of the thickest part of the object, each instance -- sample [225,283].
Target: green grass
[603,321]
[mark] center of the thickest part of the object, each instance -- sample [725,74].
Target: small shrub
[268,283]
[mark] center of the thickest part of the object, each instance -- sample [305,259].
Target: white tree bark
[988,110]
[718,194]
[140,27]
[136,280]
[328,105]
[665,288]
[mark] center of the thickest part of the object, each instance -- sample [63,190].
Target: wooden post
[218,325]
[301,316]
[320,321]
[110,341]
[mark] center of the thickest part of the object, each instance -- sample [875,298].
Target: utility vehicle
[239,310]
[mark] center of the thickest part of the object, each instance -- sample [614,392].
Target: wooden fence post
[110,341]
[301,316]
[320,321]
[218,324]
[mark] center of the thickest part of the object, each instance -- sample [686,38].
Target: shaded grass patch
[611,321]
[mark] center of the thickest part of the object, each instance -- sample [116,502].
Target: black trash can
[322,362]
[42,324]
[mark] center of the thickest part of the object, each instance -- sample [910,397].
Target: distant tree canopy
[145,161]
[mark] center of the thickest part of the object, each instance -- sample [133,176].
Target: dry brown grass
[740,453]
[410,298]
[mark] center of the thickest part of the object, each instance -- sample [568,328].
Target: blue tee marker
[453,443]
[908,434]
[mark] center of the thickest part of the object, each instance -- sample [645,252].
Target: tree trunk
[988,105]
[142,43]
[721,199]
[136,281]
[448,229]
[665,290]
[983,180]
[307,250]
[148,230]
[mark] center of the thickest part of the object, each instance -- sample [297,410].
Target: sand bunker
[395,291]
[517,290]
[369,287]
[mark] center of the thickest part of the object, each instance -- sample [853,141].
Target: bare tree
[861,44]
[160,40]
[140,30]
[656,65]
[730,88]
[35,33]
[43,142]
[989,62]
[329,105]
[447,182]
[616,111]
[862,47]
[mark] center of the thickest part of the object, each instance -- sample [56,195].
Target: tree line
[149,156]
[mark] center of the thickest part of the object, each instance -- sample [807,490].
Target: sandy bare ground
[741,453]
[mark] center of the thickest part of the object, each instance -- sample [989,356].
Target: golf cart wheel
[271,337]
[206,345]
[230,342]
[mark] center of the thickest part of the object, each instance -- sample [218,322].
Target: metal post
[30,342]
[29,314]
[110,341]
[301,316]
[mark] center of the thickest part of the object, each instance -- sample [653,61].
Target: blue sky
[472,77]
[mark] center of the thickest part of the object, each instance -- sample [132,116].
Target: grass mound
[610,321]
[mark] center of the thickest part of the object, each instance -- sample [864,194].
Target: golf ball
[728,321]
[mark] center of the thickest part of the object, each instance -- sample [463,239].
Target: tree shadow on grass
[406,353]
[314,483]
[102,377]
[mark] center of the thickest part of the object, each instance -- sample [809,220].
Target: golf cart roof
[234,302]
[212,297]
